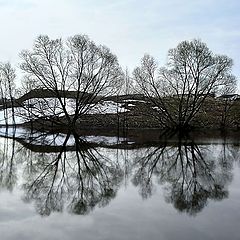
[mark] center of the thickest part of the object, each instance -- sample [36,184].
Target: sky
[130,28]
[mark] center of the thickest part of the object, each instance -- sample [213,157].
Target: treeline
[87,73]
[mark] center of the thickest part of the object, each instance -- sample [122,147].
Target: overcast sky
[129,28]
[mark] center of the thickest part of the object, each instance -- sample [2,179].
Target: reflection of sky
[129,27]
[126,217]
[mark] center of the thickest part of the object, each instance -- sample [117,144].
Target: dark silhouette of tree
[79,179]
[228,109]
[91,72]
[8,165]
[7,91]
[178,91]
[63,171]
[190,174]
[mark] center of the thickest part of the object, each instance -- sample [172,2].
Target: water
[170,190]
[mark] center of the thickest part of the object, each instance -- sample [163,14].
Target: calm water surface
[73,190]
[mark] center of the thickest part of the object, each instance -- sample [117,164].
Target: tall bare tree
[77,66]
[7,90]
[179,90]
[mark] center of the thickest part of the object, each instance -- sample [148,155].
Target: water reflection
[8,175]
[83,179]
[66,172]
[191,174]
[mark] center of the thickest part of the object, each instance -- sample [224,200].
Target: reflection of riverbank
[131,139]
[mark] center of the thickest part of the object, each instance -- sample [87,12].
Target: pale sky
[129,28]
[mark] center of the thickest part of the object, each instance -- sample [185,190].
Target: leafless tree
[228,110]
[7,90]
[179,90]
[77,66]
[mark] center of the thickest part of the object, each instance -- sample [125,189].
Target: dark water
[87,188]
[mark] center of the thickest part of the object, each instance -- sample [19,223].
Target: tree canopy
[77,64]
[179,89]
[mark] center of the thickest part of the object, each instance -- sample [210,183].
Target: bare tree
[179,90]
[7,89]
[79,66]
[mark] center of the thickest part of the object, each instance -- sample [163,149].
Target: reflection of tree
[75,175]
[8,171]
[191,174]
[81,179]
